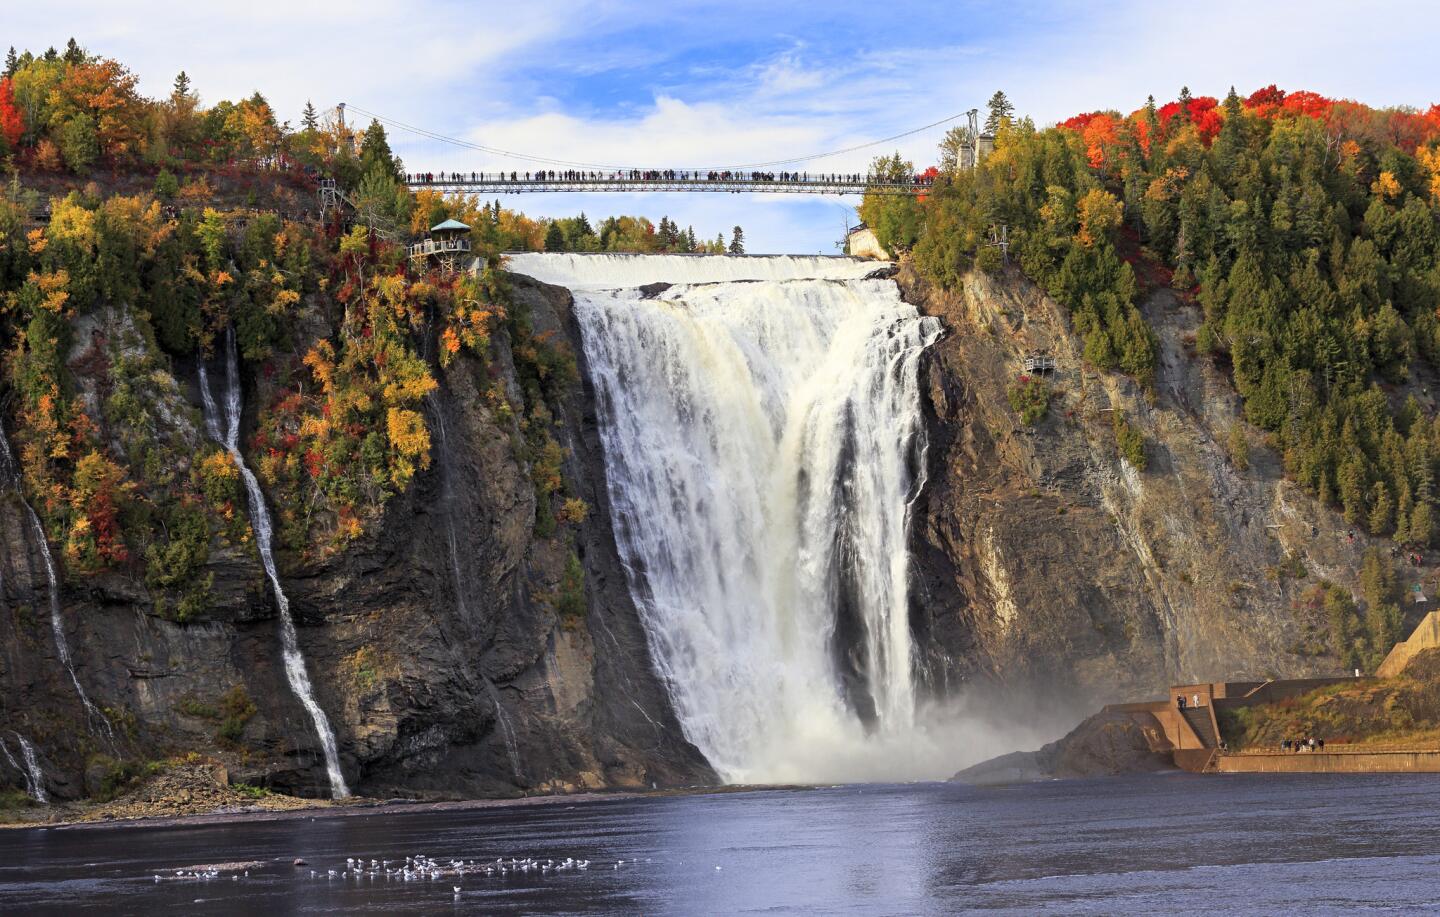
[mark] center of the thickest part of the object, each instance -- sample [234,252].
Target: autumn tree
[100,94]
[12,125]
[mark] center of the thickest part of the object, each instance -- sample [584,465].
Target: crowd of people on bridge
[575,176]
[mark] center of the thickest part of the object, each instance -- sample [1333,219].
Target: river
[1160,844]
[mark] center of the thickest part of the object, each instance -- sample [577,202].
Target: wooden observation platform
[443,249]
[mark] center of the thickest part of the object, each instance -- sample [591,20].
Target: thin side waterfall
[763,443]
[34,777]
[507,731]
[295,671]
[10,477]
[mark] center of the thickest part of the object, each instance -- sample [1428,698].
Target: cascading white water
[295,671]
[34,777]
[10,477]
[763,441]
[507,731]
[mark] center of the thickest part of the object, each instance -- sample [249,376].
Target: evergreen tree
[1184,113]
[691,245]
[74,54]
[12,63]
[309,119]
[375,150]
[737,241]
[554,238]
[1000,110]
[1152,127]
[719,243]
[182,86]
[51,55]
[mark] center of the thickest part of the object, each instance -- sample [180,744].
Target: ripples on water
[1167,844]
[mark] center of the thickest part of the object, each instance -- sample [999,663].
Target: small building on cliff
[861,242]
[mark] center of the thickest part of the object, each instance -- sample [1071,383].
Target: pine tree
[182,86]
[1000,110]
[737,241]
[1185,104]
[720,243]
[12,63]
[554,238]
[1152,126]
[309,119]
[74,54]
[691,245]
[375,151]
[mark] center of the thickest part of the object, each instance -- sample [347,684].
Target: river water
[1261,844]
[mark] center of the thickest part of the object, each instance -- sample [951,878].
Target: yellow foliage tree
[1100,213]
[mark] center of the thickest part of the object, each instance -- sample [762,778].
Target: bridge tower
[446,245]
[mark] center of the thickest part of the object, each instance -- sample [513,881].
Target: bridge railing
[588,182]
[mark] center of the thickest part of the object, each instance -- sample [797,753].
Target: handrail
[1339,749]
[732,185]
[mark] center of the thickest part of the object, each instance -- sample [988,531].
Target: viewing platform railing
[438,247]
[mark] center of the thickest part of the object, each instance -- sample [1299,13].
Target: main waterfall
[763,442]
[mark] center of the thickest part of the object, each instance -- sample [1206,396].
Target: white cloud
[485,71]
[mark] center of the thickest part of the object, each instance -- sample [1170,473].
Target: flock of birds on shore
[416,868]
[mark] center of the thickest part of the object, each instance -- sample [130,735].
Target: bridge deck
[492,185]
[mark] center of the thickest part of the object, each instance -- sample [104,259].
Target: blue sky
[699,84]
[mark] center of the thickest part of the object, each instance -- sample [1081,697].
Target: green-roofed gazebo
[444,246]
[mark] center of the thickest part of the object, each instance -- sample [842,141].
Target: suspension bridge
[663,180]
[549,175]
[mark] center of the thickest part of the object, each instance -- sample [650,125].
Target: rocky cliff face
[1050,568]
[1047,569]
[434,641]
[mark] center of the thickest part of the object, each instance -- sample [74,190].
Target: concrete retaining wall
[1350,762]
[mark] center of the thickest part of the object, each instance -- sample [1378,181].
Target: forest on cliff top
[1308,230]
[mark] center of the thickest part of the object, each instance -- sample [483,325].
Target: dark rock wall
[432,641]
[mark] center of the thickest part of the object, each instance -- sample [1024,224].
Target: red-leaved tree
[12,124]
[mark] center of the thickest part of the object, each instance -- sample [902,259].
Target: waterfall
[763,442]
[10,477]
[507,731]
[295,671]
[34,777]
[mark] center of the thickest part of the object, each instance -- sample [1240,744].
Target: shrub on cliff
[1129,441]
[1029,398]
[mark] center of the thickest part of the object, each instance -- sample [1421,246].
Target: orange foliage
[104,90]
[1102,132]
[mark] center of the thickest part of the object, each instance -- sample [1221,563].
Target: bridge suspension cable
[527,157]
